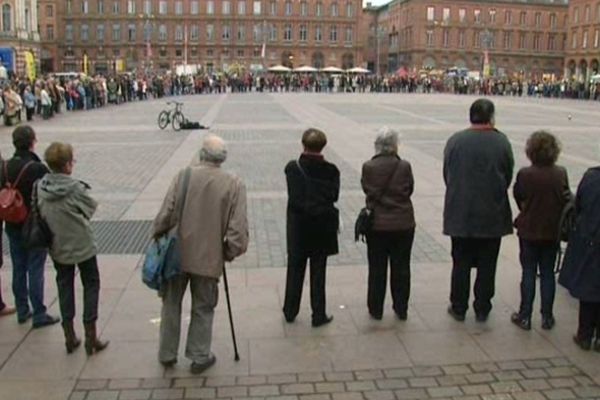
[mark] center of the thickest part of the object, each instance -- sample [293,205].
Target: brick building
[582,53]
[18,34]
[140,34]
[439,34]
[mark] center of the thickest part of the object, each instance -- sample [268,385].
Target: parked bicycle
[173,116]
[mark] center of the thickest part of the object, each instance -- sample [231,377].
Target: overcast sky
[376,2]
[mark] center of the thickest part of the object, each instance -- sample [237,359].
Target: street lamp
[148,28]
[487,38]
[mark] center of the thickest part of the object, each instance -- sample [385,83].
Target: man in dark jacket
[28,265]
[478,169]
[312,225]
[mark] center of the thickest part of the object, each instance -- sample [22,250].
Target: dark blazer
[478,168]
[394,210]
[541,194]
[312,219]
[34,172]
[581,270]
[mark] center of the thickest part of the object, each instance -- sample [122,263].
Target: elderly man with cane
[212,229]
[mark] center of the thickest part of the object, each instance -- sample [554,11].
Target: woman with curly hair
[541,192]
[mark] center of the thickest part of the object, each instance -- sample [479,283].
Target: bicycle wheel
[163,119]
[177,121]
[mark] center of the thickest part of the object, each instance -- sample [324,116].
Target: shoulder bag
[36,232]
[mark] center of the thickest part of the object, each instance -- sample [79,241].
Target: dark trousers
[393,248]
[2,304]
[481,254]
[65,280]
[295,280]
[29,112]
[589,320]
[537,256]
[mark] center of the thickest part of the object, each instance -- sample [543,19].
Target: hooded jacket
[66,206]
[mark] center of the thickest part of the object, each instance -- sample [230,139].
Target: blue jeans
[534,256]
[28,277]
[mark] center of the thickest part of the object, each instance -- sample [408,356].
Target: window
[586,13]
[349,35]
[240,53]
[523,18]
[477,16]
[273,7]
[596,38]
[319,9]
[551,42]
[68,31]
[492,13]
[507,40]
[49,11]
[256,53]
[598,12]
[116,7]
[241,33]
[68,7]
[50,32]
[349,10]
[287,33]
[226,33]
[508,17]
[210,32]
[226,7]
[304,9]
[288,8]
[162,53]
[522,41]
[256,33]
[333,34]
[318,34]
[241,7]
[162,33]
[553,21]
[100,6]
[334,9]
[462,15]
[476,40]
[130,6]
[461,39]
[85,7]
[147,7]
[273,33]
[584,42]
[574,40]
[178,53]
[7,19]
[131,33]
[84,33]
[302,33]
[446,14]
[576,15]
[147,32]
[430,13]
[179,8]
[210,7]
[537,41]
[194,7]
[429,38]
[256,7]
[162,7]
[538,19]
[446,38]
[209,53]
[194,52]
[100,33]
[116,33]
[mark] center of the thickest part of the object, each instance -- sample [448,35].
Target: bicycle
[173,116]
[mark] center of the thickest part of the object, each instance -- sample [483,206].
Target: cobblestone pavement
[540,379]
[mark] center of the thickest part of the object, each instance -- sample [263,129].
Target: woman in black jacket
[388,183]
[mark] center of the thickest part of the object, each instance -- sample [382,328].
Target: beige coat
[214,226]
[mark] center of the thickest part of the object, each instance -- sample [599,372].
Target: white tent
[334,70]
[358,70]
[305,68]
[279,68]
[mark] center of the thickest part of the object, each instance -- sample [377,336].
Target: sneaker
[548,323]
[458,317]
[169,363]
[46,320]
[521,322]
[7,311]
[322,321]
[583,344]
[198,368]
[24,318]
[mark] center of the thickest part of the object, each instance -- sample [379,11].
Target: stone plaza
[130,162]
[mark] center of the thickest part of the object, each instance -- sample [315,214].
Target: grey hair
[387,141]
[214,150]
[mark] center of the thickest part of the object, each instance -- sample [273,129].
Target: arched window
[6,18]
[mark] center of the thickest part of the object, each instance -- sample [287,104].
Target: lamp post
[487,39]
[148,25]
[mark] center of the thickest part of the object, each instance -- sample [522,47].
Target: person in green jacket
[67,207]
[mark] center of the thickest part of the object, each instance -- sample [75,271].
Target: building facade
[107,35]
[19,38]
[582,53]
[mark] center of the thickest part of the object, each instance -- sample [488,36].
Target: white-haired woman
[388,183]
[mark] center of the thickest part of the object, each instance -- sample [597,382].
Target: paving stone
[511,365]
[484,367]
[368,375]
[91,384]
[311,377]
[360,386]
[501,396]
[232,391]
[380,395]
[281,378]
[538,363]
[103,395]
[297,388]
[457,370]
[506,387]
[251,380]
[422,382]
[200,393]
[534,373]
[124,383]
[528,396]
[398,373]
[188,382]
[167,394]
[284,397]
[427,371]
[483,377]
[584,380]
[77,396]
[465,398]
[535,384]
[508,375]
[156,383]
[315,397]
[451,380]
[560,362]
[339,376]
[476,389]
[411,394]
[347,396]
[391,383]
[135,394]
[447,391]
[559,372]
[264,390]
[329,387]
[559,394]
[588,392]
[562,382]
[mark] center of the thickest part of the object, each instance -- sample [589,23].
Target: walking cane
[235,349]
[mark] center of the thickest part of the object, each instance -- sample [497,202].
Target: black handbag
[366,216]
[36,232]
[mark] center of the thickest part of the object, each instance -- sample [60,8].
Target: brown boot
[92,343]
[71,340]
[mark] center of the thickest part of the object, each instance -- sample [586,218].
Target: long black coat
[312,219]
[581,271]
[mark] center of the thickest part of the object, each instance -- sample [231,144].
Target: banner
[30,68]
[85,64]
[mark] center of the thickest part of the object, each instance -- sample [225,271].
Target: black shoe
[548,323]
[24,318]
[584,344]
[376,316]
[521,322]
[168,363]
[197,369]
[322,321]
[289,320]
[47,320]
[402,315]
[458,317]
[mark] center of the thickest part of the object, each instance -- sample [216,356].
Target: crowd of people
[477,170]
